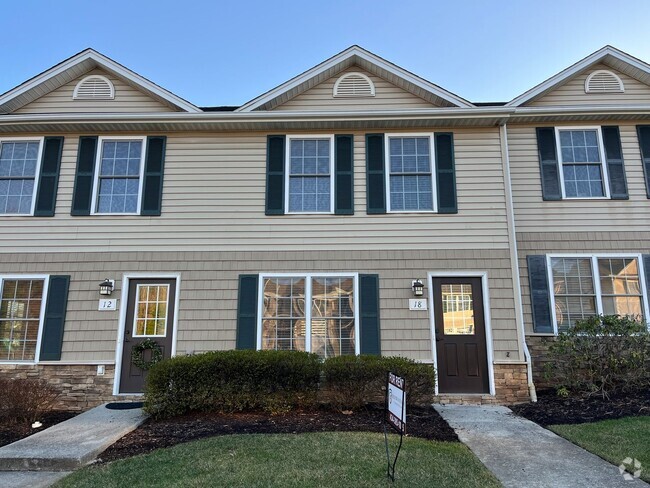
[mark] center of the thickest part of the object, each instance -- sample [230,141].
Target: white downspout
[514,264]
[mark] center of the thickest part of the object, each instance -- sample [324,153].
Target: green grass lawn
[346,459]
[613,440]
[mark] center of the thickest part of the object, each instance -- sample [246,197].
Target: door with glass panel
[149,316]
[461,347]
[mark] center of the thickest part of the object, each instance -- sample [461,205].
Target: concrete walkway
[524,455]
[45,457]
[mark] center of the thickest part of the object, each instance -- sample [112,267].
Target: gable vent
[94,87]
[354,85]
[603,81]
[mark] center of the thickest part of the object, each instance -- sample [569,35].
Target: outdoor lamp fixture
[106,287]
[418,288]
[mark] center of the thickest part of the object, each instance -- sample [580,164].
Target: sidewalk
[43,458]
[524,455]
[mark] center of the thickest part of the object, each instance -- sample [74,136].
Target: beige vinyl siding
[532,214]
[214,197]
[601,241]
[387,97]
[573,92]
[127,99]
[209,286]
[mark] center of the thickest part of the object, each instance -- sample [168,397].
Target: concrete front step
[30,479]
[71,444]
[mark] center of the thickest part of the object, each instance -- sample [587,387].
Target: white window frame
[98,162]
[37,175]
[596,277]
[135,314]
[287,172]
[308,297]
[46,283]
[432,158]
[603,161]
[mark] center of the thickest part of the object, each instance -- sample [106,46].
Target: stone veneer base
[82,388]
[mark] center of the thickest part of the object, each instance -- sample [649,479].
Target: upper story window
[584,286]
[22,307]
[118,181]
[583,174]
[354,85]
[310,174]
[94,87]
[19,167]
[604,81]
[313,313]
[410,173]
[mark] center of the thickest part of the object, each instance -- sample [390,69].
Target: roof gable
[368,62]
[76,66]
[387,96]
[608,57]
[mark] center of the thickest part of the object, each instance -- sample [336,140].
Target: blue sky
[225,53]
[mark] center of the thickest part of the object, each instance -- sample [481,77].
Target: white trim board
[119,345]
[486,316]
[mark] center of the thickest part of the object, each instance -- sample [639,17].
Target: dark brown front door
[149,315]
[460,335]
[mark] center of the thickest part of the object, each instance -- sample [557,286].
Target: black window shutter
[646,271]
[54,320]
[247,312]
[539,294]
[615,165]
[48,181]
[445,173]
[643,132]
[153,175]
[369,314]
[344,175]
[275,152]
[548,164]
[84,178]
[375,174]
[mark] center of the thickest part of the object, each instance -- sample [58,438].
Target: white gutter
[514,260]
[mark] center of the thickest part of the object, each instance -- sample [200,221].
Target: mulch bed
[421,422]
[551,409]
[13,432]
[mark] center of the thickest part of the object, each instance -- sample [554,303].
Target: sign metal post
[395,416]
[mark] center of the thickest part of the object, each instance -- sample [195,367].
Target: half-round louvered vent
[603,81]
[94,87]
[354,85]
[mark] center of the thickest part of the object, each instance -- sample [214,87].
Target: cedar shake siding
[208,293]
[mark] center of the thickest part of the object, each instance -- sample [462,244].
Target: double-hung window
[119,175]
[19,168]
[583,174]
[315,313]
[410,173]
[310,173]
[22,307]
[584,286]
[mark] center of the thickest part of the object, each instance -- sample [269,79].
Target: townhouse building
[355,209]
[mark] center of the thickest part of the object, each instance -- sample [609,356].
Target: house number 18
[417,304]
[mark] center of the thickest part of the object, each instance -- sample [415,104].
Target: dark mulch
[13,432]
[421,422]
[552,409]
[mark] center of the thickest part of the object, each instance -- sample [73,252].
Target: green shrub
[25,400]
[226,381]
[353,381]
[601,355]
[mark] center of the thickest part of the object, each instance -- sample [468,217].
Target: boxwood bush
[226,381]
[601,355]
[350,382]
